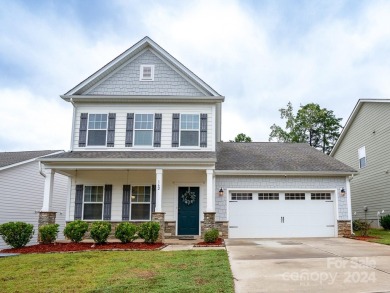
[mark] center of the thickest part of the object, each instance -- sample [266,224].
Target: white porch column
[159,187]
[48,190]
[210,193]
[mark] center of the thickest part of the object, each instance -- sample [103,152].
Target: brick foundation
[44,219]
[344,228]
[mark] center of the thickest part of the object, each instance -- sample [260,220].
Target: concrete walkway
[309,265]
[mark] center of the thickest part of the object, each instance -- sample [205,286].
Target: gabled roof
[276,158]
[10,159]
[127,55]
[352,117]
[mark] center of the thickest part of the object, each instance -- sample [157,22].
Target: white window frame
[140,202]
[362,157]
[142,129]
[88,129]
[180,131]
[93,202]
[141,72]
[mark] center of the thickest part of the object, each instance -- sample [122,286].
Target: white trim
[176,203]
[87,136]
[145,42]
[29,161]
[141,72]
[151,130]
[180,130]
[102,203]
[333,191]
[138,202]
[144,99]
[280,173]
[349,201]
[351,118]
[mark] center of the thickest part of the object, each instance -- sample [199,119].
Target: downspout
[73,123]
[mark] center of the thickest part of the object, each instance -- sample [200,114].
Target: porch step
[187,237]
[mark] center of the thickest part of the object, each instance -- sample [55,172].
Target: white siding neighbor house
[146,145]
[22,188]
[363,145]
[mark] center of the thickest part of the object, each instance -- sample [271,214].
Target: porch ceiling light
[342,191]
[221,192]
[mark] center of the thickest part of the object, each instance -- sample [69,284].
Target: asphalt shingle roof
[10,158]
[133,155]
[269,156]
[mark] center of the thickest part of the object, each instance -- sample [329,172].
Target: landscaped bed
[118,271]
[218,243]
[374,235]
[70,247]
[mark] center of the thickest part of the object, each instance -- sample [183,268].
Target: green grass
[118,271]
[383,234]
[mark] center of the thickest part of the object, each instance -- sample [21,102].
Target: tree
[312,124]
[241,137]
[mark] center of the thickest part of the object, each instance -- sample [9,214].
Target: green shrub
[211,235]
[149,231]
[385,222]
[16,234]
[361,226]
[126,232]
[48,233]
[75,230]
[100,231]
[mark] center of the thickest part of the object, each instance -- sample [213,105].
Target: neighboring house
[22,188]
[363,145]
[146,145]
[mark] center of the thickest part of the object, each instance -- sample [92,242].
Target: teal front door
[188,211]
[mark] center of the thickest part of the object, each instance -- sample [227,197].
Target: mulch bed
[218,243]
[364,238]
[72,247]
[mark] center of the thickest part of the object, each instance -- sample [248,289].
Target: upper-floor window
[97,129]
[362,157]
[146,73]
[189,130]
[143,129]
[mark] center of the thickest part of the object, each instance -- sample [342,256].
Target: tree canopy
[312,124]
[241,137]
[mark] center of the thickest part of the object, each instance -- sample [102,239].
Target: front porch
[140,195]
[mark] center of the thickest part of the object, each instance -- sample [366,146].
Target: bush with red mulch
[71,247]
[218,243]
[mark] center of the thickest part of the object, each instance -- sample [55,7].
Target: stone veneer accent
[170,229]
[160,218]
[44,219]
[223,228]
[344,228]
[208,222]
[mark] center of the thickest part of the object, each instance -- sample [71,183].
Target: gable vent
[146,73]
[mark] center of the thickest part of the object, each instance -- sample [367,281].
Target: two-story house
[146,145]
[363,145]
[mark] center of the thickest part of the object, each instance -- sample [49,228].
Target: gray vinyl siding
[125,81]
[371,187]
[21,197]
[166,110]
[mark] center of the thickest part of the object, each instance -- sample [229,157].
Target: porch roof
[138,156]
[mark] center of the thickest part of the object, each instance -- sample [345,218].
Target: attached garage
[277,190]
[275,214]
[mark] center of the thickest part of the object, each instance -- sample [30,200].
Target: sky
[258,54]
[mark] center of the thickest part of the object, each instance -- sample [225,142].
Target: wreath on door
[188,197]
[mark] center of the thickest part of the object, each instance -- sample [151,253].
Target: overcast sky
[258,54]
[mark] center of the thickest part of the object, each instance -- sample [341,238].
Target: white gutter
[280,173]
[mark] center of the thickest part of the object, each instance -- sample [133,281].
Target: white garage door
[281,214]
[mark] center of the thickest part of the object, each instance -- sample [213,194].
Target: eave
[141,99]
[283,173]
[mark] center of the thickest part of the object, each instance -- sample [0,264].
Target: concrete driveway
[309,265]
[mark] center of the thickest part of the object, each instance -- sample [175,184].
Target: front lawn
[118,271]
[384,236]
